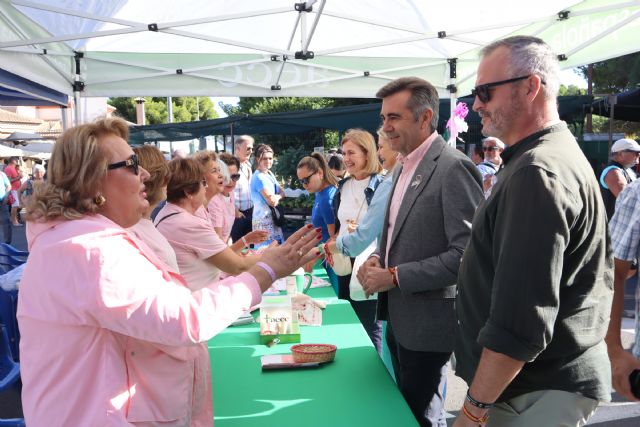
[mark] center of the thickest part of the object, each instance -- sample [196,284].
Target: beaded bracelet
[268,269]
[480,420]
[477,403]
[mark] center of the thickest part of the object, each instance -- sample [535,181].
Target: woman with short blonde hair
[108,332]
[350,206]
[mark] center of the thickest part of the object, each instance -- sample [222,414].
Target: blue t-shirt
[322,213]
[259,182]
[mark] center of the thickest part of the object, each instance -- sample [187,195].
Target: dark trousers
[242,226]
[5,221]
[365,310]
[421,377]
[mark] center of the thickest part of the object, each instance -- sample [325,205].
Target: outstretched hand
[298,250]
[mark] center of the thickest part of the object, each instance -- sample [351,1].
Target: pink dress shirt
[194,240]
[409,165]
[108,331]
[222,213]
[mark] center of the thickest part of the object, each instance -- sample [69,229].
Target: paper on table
[283,361]
[309,310]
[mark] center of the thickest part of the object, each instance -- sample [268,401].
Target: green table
[354,390]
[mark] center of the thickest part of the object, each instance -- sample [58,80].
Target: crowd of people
[504,261]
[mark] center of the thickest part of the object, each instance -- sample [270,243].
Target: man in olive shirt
[535,283]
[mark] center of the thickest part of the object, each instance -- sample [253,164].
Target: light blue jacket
[370,227]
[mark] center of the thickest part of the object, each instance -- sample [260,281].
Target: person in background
[201,254]
[26,189]
[110,343]
[350,206]
[619,172]
[152,160]
[243,148]
[222,207]
[492,148]
[336,164]
[5,208]
[315,176]
[624,229]
[477,155]
[370,228]
[178,153]
[265,192]
[12,170]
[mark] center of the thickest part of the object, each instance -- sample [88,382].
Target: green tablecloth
[354,390]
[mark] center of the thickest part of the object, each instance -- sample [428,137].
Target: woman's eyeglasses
[235,177]
[132,162]
[305,181]
[483,92]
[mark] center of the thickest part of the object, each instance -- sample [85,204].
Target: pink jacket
[109,336]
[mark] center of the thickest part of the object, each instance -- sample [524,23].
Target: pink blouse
[107,330]
[194,240]
[222,213]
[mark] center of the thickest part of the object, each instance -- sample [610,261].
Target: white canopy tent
[326,48]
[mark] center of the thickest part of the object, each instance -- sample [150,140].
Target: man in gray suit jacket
[427,225]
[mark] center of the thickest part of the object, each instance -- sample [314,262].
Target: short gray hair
[530,55]
[243,138]
[424,96]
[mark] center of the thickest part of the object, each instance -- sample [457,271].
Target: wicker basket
[313,353]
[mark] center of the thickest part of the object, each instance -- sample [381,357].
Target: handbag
[277,213]
[355,288]
[341,264]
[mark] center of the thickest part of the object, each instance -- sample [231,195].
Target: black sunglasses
[132,162]
[235,177]
[483,91]
[305,181]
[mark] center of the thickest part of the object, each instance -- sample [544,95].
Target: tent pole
[169,110]
[65,119]
[453,90]
[78,86]
[613,100]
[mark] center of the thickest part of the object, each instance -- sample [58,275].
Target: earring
[99,200]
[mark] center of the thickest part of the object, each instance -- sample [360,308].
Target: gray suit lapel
[417,183]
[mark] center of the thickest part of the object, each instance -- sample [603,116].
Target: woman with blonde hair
[315,176]
[109,343]
[153,161]
[350,205]
[265,192]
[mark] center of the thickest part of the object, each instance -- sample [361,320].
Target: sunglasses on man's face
[235,177]
[132,162]
[490,148]
[305,181]
[483,92]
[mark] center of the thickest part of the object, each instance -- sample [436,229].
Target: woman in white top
[351,204]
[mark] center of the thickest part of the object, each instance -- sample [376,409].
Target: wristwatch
[394,274]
